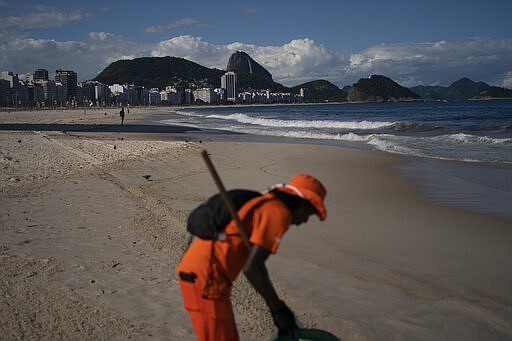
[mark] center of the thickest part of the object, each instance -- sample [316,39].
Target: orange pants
[212,319]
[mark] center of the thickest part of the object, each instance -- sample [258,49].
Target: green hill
[321,91]
[462,89]
[429,92]
[158,72]
[465,88]
[246,81]
[379,89]
[494,92]
[241,62]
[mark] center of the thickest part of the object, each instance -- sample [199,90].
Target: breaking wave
[270,122]
[447,134]
[473,139]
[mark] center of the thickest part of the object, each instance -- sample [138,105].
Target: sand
[89,246]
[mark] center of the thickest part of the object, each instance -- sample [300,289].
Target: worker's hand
[284,320]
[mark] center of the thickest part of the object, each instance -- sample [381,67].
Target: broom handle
[225,197]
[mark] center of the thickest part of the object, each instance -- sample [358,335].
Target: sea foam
[321,124]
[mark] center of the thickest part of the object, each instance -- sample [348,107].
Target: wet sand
[89,246]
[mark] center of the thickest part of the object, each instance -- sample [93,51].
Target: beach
[90,243]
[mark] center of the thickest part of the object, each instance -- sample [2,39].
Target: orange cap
[312,190]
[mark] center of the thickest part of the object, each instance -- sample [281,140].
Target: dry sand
[88,246]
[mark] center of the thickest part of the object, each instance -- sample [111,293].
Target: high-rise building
[11,78]
[5,92]
[41,74]
[206,95]
[228,82]
[14,90]
[69,82]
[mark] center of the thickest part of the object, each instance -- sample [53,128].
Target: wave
[271,122]
[463,138]
[415,127]
[390,146]
[458,147]
[399,137]
[403,126]
[300,134]
[186,113]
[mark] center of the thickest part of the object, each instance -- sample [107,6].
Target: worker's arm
[256,272]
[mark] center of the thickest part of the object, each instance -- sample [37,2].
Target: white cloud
[87,58]
[295,62]
[39,20]
[507,80]
[437,62]
[194,49]
[103,36]
[299,60]
[172,25]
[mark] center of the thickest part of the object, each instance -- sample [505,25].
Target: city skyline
[428,43]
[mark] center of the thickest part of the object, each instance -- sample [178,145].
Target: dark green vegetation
[241,62]
[321,91]
[379,89]
[494,92]
[462,89]
[248,81]
[158,72]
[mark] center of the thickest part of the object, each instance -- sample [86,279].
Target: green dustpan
[308,335]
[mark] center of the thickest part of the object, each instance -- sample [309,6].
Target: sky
[417,42]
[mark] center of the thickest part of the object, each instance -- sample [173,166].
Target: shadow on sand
[107,128]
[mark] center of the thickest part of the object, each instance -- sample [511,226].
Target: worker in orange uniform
[209,267]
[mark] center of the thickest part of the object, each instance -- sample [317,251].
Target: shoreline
[492,190]
[81,224]
[145,121]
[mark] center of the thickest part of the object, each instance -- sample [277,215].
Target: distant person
[121,113]
[209,267]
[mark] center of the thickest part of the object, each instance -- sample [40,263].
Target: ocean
[462,151]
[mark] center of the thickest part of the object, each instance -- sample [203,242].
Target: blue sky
[413,42]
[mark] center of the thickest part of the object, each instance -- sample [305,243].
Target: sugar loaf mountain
[159,72]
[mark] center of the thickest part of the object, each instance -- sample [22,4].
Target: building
[154,97]
[221,93]
[5,92]
[102,95]
[15,92]
[61,95]
[206,95]
[228,82]
[124,94]
[49,91]
[36,93]
[189,96]
[68,79]
[11,78]
[41,74]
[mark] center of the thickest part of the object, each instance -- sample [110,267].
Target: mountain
[465,88]
[158,72]
[494,92]
[462,89]
[321,91]
[429,92]
[251,75]
[379,88]
[246,81]
[241,62]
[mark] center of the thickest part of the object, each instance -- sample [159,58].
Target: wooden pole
[225,197]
